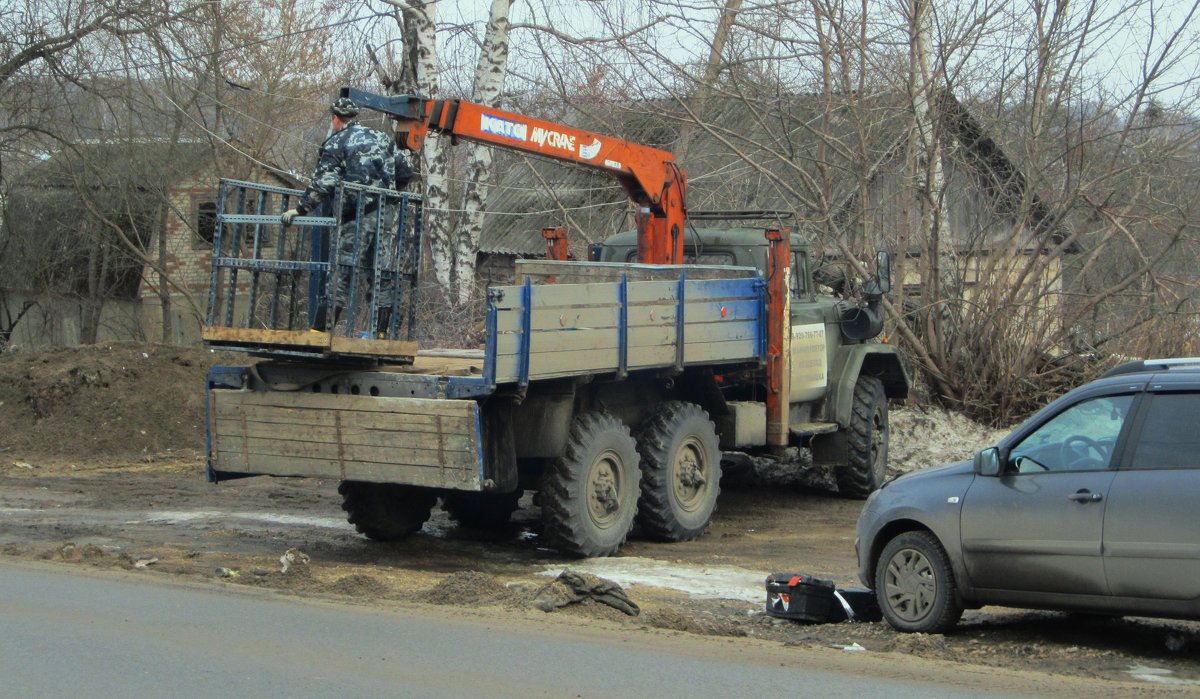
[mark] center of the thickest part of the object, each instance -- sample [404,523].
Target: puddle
[213,515]
[185,517]
[700,582]
[1160,676]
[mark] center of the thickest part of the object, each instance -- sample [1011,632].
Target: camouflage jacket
[357,154]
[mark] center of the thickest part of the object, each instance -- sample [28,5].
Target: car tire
[914,584]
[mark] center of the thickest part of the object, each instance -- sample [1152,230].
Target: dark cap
[344,107]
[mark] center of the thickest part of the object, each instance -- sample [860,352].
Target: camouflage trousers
[360,261]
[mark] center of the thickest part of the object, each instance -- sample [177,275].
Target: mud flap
[831,449]
[499,446]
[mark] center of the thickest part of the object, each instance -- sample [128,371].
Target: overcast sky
[1121,35]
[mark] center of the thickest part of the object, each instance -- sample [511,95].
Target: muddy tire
[681,472]
[914,585]
[385,511]
[866,441]
[589,494]
[481,510]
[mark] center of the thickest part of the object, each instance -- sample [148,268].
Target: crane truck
[611,388]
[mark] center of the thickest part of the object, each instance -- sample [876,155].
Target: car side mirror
[988,461]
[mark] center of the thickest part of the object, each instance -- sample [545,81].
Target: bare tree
[130,105]
[489,84]
[453,235]
[417,22]
[43,33]
[1038,209]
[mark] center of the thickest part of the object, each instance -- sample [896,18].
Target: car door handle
[1085,496]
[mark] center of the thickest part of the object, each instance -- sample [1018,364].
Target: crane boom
[651,177]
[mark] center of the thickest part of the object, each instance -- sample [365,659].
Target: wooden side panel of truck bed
[426,442]
[569,329]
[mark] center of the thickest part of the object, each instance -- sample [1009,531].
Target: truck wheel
[866,441]
[681,472]
[481,510]
[385,511]
[914,584]
[589,494]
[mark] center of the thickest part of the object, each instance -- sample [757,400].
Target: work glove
[288,216]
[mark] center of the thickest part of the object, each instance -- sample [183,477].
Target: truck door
[810,351]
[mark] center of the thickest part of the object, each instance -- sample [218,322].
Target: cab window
[719,257]
[1081,438]
[799,274]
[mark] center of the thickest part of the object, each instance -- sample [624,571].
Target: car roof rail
[1143,365]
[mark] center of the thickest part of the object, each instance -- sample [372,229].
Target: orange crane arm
[651,178]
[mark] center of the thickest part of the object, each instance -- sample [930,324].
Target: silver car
[1091,505]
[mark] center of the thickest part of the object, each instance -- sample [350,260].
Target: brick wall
[188,254]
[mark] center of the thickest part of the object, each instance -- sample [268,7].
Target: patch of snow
[700,582]
[171,517]
[930,436]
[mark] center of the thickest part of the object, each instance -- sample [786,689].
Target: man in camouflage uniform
[355,154]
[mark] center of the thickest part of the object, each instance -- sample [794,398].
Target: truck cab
[838,371]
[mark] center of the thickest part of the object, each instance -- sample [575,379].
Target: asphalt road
[71,634]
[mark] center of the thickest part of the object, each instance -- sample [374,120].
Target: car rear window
[1170,435]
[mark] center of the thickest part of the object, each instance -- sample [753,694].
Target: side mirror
[988,461]
[883,271]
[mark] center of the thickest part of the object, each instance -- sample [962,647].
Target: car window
[1080,438]
[1170,436]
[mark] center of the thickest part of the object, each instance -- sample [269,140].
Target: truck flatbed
[420,422]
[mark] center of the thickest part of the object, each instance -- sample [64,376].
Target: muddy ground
[101,465]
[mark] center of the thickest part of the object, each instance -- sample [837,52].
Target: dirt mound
[88,553]
[115,401]
[469,588]
[675,619]
[359,586]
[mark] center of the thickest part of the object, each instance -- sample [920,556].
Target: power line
[224,141]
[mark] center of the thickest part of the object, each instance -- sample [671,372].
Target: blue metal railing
[271,277]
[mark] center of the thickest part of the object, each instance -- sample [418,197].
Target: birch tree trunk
[488,86]
[420,36]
